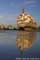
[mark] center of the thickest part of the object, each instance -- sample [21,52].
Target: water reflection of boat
[25,39]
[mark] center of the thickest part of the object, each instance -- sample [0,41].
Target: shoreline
[34,30]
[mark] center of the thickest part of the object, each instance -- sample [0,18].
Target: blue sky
[10,9]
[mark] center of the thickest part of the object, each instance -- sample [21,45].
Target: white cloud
[1,17]
[29,2]
[7,19]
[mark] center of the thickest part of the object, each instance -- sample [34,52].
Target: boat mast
[23,10]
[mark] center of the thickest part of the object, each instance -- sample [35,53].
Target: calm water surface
[9,50]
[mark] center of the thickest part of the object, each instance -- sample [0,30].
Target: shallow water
[9,50]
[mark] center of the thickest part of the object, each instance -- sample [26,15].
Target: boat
[26,21]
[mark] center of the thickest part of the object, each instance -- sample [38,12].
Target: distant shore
[35,29]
